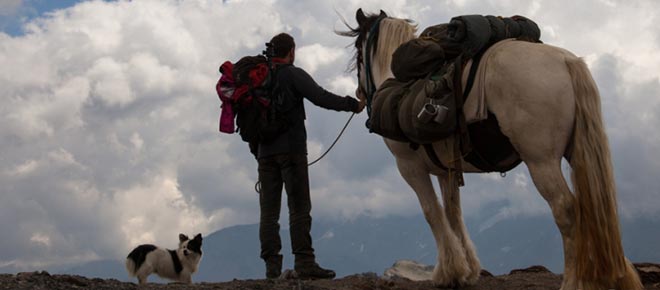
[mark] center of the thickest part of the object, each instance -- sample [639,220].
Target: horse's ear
[360,17]
[382,13]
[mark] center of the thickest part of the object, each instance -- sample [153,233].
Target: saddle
[456,47]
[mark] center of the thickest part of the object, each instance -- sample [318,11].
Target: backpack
[249,92]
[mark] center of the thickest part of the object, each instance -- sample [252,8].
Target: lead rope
[333,143]
[257,186]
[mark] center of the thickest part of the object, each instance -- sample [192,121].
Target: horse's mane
[395,32]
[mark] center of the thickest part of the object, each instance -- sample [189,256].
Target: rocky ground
[537,278]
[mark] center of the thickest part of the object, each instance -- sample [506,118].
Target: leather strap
[434,157]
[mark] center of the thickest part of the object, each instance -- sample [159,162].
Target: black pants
[290,171]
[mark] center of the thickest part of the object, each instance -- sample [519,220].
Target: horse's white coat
[531,91]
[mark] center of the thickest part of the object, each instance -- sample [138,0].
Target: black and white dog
[176,265]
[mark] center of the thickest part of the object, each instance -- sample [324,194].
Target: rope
[257,186]
[333,143]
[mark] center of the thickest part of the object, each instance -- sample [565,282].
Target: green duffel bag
[416,59]
[385,109]
[428,113]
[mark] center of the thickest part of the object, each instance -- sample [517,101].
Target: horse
[548,105]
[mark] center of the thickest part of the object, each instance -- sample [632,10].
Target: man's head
[284,46]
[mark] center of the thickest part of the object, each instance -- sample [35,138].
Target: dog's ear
[382,13]
[182,238]
[198,237]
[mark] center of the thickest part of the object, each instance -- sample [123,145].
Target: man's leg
[296,181]
[270,199]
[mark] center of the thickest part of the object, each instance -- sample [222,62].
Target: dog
[177,265]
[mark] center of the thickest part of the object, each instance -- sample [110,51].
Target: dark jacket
[295,84]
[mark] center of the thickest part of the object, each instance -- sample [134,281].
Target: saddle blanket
[475,107]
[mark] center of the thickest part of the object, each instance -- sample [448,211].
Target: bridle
[370,89]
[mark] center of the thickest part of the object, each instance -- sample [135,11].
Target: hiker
[283,163]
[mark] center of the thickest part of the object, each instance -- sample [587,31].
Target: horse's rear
[529,88]
[548,105]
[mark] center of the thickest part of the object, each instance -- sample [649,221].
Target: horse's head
[376,37]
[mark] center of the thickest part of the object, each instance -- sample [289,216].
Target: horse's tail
[600,262]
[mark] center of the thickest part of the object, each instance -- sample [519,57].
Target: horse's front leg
[451,269]
[451,198]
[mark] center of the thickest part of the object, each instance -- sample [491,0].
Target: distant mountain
[106,269]
[374,244]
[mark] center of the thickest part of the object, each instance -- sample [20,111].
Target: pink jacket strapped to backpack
[226,89]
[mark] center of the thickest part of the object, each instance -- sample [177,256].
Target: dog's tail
[130,267]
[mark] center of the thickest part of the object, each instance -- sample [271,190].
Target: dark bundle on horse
[476,32]
[417,58]
[468,35]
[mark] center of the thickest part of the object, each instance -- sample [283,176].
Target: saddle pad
[491,150]
[475,108]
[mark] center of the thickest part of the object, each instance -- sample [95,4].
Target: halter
[371,87]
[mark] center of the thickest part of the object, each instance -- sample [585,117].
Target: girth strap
[458,171]
[434,157]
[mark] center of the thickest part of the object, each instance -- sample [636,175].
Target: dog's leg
[144,272]
[185,277]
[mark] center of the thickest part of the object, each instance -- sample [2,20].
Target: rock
[32,274]
[289,274]
[532,269]
[368,275]
[648,272]
[408,269]
[75,280]
[485,273]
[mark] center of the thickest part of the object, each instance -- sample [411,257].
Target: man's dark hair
[282,44]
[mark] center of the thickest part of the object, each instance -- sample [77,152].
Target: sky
[109,124]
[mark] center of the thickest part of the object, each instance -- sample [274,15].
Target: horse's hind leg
[451,198]
[451,268]
[551,184]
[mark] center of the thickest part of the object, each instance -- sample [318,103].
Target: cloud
[310,57]
[109,119]
[9,7]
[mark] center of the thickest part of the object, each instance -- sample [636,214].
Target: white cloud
[343,85]
[311,57]
[24,169]
[156,212]
[110,83]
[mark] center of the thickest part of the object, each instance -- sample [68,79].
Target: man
[283,163]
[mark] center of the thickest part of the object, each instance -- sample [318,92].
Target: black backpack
[257,117]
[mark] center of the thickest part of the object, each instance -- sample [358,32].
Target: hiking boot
[313,272]
[274,267]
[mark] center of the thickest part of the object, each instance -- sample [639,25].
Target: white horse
[548,105]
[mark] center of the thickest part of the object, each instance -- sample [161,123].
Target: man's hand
[362,101]
[360,107]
